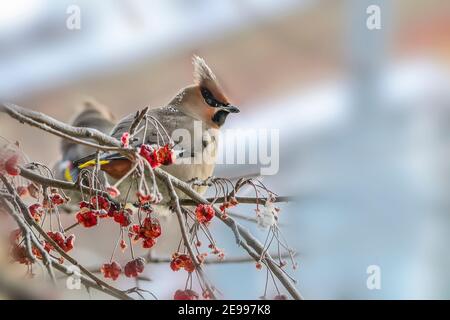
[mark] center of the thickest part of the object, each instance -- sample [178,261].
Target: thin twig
[242,200]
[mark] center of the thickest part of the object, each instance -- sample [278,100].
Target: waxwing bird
[199,110]
[192,119]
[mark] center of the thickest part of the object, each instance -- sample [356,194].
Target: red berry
[258,265]
[123,245]
[57,199]
[148,243]
[151,228]
[69,242]
[12,165]
[65,243]
[204,213]
[113,191]
[182,261]
[36,211]
[111,270]
[87,218]
[84,204]
[100,203]
[125,139]
[144,198]
[185,295]
[134,267]
[176,264]
[150,155]
[165,155]
[123,217]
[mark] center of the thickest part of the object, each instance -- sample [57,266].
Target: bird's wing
[168,117]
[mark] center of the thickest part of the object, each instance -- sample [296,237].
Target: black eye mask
[213,102]
[210,100]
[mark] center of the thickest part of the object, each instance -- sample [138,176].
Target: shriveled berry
[134,267]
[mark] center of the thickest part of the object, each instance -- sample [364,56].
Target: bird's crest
[205,78]
[202,72]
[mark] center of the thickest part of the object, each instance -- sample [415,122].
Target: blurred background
[364,120]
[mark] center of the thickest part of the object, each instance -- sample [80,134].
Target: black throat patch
[220,117]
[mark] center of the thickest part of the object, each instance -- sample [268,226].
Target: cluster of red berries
[157,156]
[37,210]
[182,261]
[204,213]
[149,231]
[19,252]
[65,243]
[98,206]
[132,269]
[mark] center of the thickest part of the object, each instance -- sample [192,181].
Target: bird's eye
[209,98]
[206,94]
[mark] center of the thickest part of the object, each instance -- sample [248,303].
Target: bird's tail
[91,115]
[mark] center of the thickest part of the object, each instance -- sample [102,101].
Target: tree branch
[254,248]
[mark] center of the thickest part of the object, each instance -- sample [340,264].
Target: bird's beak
[231,109]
